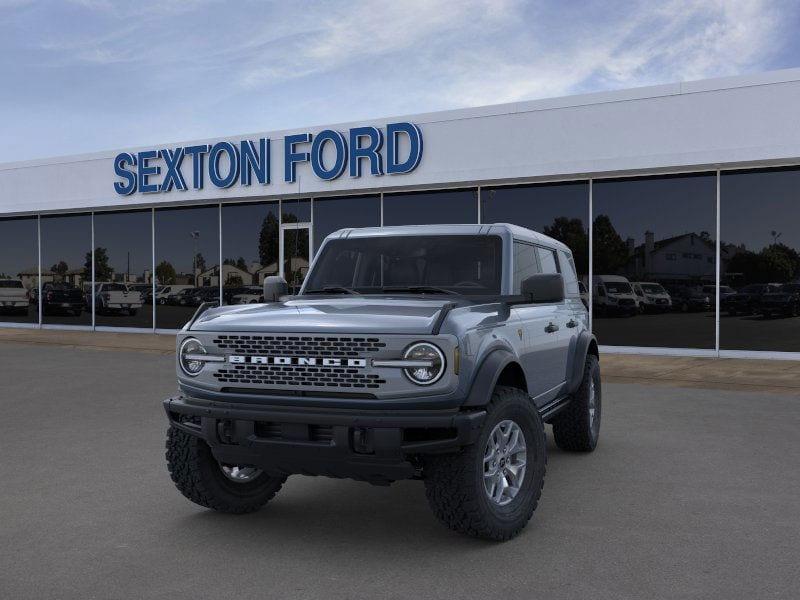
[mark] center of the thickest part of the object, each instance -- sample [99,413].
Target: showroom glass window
[760,260]
[331,214]
[123,269]
[187,262]
[250,237]
[19,270]
[559,210]
[654,260]
[424,208]
[66,269]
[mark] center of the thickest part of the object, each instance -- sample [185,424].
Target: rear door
[538,328]
[565,315]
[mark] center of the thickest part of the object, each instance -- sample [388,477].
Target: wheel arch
[499,367]
[584,345]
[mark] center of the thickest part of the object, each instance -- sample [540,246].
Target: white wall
[731,121]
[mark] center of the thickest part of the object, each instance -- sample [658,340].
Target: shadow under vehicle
[784,302]
[653,298]
[410,353]
[62,298]
[747,300]
[14,297]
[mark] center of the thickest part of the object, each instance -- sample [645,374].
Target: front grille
[626,302]
[331,377]
[296,345]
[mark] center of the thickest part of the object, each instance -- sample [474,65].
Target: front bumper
[375,445]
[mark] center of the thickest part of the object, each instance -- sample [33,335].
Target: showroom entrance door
[295,253]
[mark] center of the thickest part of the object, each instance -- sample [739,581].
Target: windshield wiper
[418,289]
[334,289]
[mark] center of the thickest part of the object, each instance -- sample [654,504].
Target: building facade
[691,186]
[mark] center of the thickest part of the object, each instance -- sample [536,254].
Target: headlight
[190,348]
[431,363]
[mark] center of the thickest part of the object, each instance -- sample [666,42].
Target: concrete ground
[692,493]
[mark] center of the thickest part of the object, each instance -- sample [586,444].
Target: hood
[351,314]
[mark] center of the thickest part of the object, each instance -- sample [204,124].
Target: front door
[295,248]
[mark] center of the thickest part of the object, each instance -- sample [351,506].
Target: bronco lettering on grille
[305,361]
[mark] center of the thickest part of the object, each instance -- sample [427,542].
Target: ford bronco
[425,352]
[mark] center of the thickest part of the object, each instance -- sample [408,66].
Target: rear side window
[570,276]
[526,264]
[547,260]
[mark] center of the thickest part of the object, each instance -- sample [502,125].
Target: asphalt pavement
[692,493]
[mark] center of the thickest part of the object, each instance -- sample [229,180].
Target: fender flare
[486,376]
[585,344]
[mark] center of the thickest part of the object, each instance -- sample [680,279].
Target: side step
[548,411]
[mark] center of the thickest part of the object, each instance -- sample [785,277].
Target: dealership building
[679,201]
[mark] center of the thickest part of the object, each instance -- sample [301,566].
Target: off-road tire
[572,428]
[198,476]
[454,482]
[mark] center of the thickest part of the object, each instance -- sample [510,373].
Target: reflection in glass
[19,270]
[66,269]
[187,262]
[250,242]
[559,210]
[760,260]
[331,214]
[654,260]
[297,210]
[123,267]
[295,256]
[424,208]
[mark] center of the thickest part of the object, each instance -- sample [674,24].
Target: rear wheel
[491,488]
[224,488]
[577,427]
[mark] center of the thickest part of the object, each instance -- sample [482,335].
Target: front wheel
[204,481]
[577,427]
[491,488]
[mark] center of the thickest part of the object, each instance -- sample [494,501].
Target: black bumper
[379,446]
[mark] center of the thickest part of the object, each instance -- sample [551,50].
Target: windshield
[113,287]
[10,283]
[653,288]
[463,264]
[616,287]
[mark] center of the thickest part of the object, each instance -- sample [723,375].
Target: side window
[601,291]
[547,258]
[525,264]
[570,276]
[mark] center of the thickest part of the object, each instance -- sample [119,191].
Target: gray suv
[424,352]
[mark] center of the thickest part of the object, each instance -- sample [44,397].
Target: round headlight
[432,358]
[191,346]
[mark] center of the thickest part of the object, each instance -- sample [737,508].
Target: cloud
[204,68]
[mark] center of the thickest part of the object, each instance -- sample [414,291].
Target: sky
[89,75]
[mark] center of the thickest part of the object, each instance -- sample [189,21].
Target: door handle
[572,323]
[551,328]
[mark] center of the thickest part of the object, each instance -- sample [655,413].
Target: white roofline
[625,95]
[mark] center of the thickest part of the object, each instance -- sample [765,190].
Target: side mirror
[544,288]
[274,287]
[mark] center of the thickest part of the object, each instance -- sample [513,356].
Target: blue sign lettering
[397,151]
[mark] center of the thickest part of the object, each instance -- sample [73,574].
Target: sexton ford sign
[225,164]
